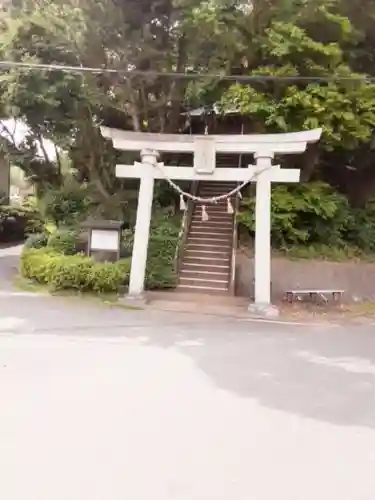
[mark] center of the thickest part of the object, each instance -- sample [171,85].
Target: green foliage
[106,277]
[37,240]
[73,272]
[329,38]
[310,39]
[17,222]
[310,218]
[161,272]
[302,214]
[360,228]
[64,241]
[56,267]
[164,231]
[67,204]
[327,252]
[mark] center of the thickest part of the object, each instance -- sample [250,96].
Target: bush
[161,272]
[360,229]
[303,214]
[64,241]
[107,277]
[164,231]
[66,204]
[73,272]
[37,240]
[78,272]
[18,222]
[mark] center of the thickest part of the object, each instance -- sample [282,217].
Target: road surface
[111,404]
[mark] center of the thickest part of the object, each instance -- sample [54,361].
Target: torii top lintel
[294,142]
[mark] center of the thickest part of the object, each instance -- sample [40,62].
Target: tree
[310,45]
[279,38]
[146,35]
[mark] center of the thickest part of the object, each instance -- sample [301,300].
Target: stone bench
[315,294]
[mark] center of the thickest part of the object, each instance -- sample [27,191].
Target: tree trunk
[309,163]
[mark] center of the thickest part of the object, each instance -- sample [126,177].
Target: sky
[19,130]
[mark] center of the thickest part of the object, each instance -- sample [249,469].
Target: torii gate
[204,148]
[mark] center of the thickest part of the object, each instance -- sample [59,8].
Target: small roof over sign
[107,225]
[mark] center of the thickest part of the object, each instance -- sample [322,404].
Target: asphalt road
[109,404]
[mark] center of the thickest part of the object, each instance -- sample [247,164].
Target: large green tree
[143,35]
[316,41]
[278,38]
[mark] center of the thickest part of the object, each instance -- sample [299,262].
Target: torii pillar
[205,148]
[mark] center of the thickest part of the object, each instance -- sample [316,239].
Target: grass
[107,299]
[26,285]
[361,308]
[318,252]
[325,252]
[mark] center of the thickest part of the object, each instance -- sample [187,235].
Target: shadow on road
[324,375]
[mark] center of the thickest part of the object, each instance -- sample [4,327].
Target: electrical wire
[177,75]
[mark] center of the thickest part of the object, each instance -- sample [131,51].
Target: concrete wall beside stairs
[356,278]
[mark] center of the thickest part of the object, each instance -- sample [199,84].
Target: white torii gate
[205,148]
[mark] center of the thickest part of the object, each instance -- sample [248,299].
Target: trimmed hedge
[63,241]
[66,241]
[73,272]
[53,260]
[37,240]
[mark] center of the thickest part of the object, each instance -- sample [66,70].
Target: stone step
[213,231]
[209,197]
[208,193]
[213,204]
[210,290]
[220,282]
[212,191]
[213,208]
[213,224]
[216,184]
[208,200]
[209,248]
[216,257]
[204,275]
[213,217]
[215,189]
[202,229]
[206,283]
[224,238]
[218,212]
[199,299]
[219,203]
[209,245]
[206,265]
[197,212]
[217,224]
[204,259]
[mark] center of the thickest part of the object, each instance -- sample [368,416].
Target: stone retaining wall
[356,278]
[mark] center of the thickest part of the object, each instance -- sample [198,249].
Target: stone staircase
[206,258]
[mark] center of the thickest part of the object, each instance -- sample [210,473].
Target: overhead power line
[176,75]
